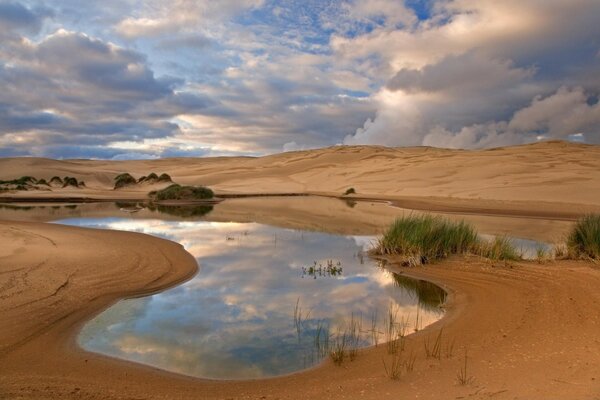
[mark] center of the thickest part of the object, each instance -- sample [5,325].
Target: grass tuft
[499,248]
[421,239]
[584,239]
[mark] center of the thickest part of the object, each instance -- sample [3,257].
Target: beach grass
[421,239]
[584,239]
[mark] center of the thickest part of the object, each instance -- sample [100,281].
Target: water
[261,296]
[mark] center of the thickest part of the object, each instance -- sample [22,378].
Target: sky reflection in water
[235,318]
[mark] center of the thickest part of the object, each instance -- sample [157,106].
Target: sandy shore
[531,330]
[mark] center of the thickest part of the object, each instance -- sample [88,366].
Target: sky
[132,79]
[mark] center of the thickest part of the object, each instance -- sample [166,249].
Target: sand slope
[555,172]
[531,330]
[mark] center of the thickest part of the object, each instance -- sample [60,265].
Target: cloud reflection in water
[235,318]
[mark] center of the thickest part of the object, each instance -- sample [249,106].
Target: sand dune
[548,172]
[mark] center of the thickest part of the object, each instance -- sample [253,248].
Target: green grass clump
[349,191]
[123,180]
[500,248]
[178,192]
[584,239]
[424,238]
[427,238]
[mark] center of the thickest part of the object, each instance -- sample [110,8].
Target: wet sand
[531,330]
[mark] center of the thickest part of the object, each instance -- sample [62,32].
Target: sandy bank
[531,330]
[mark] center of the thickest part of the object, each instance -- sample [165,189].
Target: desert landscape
[527,327]
[285,199]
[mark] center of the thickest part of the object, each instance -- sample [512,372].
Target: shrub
[42,182]
[584,239]
[56,180]
[70,181]
[178,192]
[349,191]
[123,180]
[24,180]
[150,178]
[164,178]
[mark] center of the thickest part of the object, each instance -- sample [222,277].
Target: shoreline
[447,205]
[52,364]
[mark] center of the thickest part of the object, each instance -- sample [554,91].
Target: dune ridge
[552,172]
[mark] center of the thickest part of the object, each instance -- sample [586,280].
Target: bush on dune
[123,180]
[178,192]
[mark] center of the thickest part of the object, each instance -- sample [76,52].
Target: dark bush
[350,191]
[164,178]
[70,181]
[178,192]
[123,180]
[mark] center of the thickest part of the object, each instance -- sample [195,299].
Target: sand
[531,330]
[546,177]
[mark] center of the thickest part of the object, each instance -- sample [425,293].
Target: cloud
[159,17]
[253,76]
[565,115]
[16,16]
[482,74]
[87,91]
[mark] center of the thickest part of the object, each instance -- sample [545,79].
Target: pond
[260,299]
[270,298]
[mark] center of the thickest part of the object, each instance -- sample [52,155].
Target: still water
[261,296]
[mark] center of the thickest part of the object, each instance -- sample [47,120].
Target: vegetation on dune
[350,191]
[123,180]
[178,192]
[584,239]
[70,181]
[24,180]
[31,183]
[56,180]
[164,178]
[424,238]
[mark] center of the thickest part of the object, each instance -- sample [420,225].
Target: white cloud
[457,79]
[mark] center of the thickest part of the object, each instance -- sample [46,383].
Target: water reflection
[238,318]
